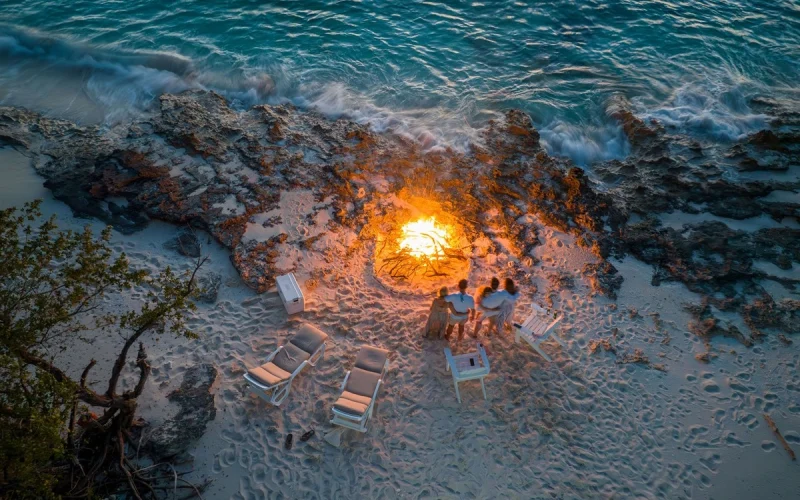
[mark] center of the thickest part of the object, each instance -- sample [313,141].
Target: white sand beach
[587,425]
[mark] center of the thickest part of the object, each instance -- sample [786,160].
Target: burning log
[420,244]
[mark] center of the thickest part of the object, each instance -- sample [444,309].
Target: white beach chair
[273,380]
[537,328]
[355,405]
[469,366]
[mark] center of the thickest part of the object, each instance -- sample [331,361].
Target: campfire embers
[425,238]
[421,243]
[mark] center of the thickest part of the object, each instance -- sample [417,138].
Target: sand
[583,426]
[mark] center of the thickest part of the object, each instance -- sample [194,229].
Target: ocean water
[434,71]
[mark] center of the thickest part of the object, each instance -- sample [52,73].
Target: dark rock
[561,280]
[766,139]
[735,208]
[209,287]
[185,243]
[706,326]
[709,257]
[73,191]
[766,313]
[603,278]
[12,141]
[196,409]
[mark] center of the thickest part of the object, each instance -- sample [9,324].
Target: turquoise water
[436,71]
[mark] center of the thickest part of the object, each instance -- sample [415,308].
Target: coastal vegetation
[56,289]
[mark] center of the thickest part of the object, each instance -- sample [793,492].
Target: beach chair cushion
[269,374]
[371,359]
[290,357]
[362,383]
[309,338]
[352,403]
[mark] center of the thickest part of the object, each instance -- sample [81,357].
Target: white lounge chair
[355,405]
[537,328]
[469,366]
[273,380]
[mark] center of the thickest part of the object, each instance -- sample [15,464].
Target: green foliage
[33,414]
[51,293]
[52,278]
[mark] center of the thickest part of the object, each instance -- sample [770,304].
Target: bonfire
[421,243]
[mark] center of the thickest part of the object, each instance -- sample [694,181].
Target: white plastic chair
[273,380]
[469,366]
[537,328]
[356,403]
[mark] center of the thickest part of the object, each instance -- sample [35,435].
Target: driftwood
[402,264]
[771,424]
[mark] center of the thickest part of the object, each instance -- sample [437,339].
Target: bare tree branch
[71,428]
[144,368]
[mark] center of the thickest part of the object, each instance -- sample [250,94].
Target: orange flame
[425,237]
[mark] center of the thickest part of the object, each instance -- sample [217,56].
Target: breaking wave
[717,110]
[585,144]
[114,84]
[108,85]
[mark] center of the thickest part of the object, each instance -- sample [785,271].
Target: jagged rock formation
[666,173]
[199,162]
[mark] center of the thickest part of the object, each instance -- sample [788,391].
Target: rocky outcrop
[198,162]
[671,172]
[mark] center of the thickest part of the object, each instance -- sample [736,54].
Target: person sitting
[482,311]
[464,306]
[439,315]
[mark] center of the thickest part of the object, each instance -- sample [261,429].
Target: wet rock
[639,133]
[766,139]
[196,408]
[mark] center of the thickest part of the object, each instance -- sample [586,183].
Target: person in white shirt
[464,305]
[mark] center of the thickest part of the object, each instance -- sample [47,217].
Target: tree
[51,295]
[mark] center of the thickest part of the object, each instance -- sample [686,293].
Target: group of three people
[490,303]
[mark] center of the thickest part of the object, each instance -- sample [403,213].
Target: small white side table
[469,366]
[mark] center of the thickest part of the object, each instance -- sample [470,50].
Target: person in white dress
[508,306]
